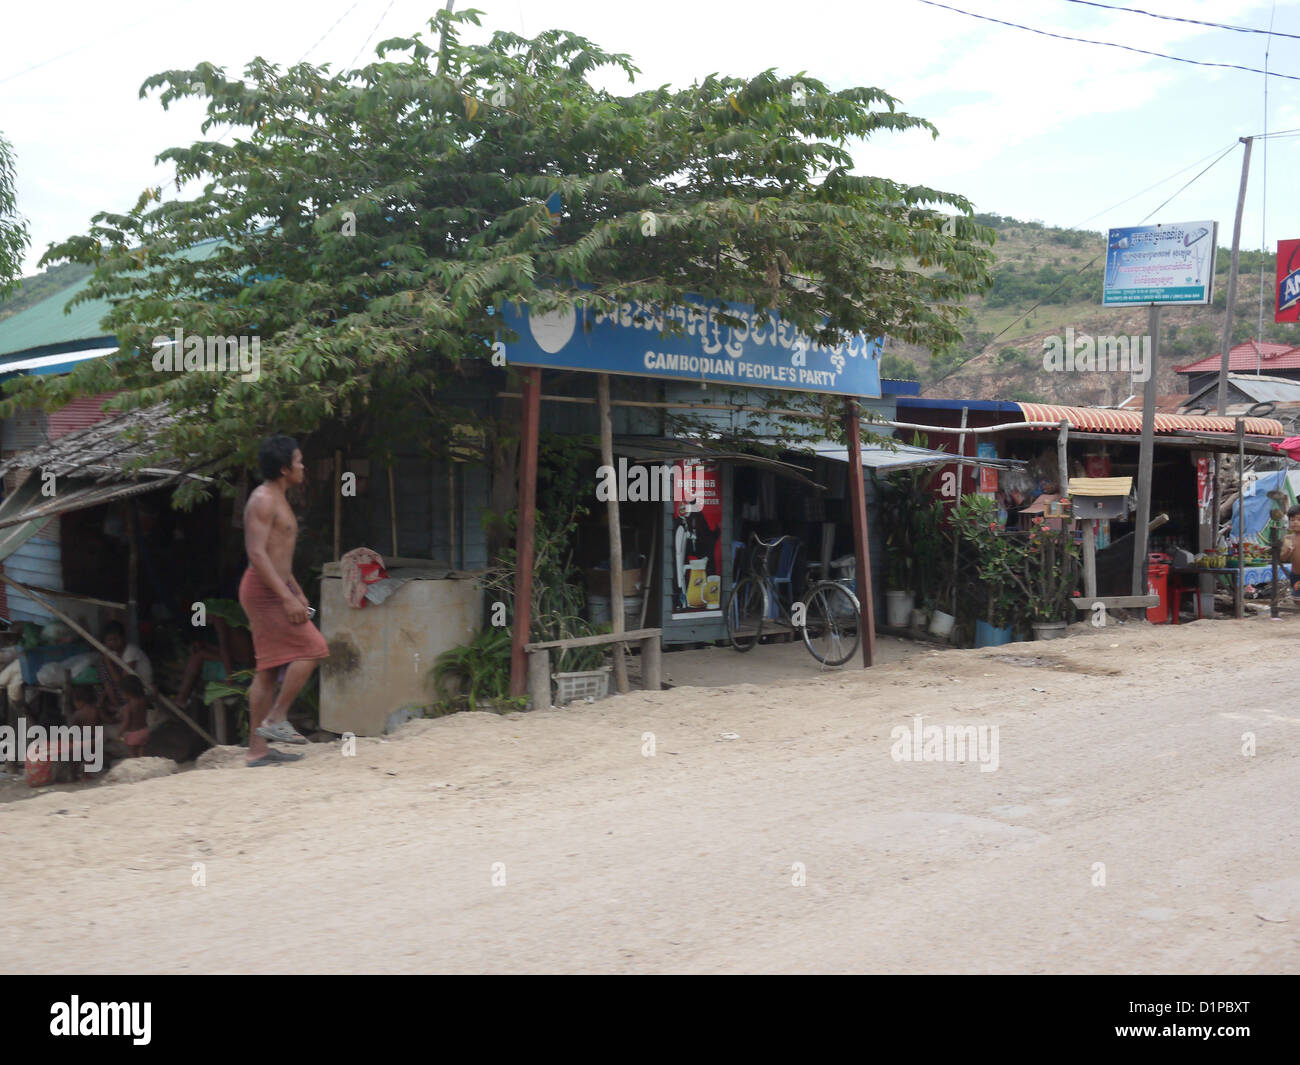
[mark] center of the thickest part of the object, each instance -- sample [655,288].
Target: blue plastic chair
[783,577]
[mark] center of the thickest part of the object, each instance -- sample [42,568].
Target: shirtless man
[275,605]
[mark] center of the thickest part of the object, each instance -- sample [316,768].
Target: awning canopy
[666,449]
[1105,420]
[909,456]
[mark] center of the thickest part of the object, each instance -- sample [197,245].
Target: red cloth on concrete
[276,640]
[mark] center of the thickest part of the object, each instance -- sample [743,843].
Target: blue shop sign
[763,351]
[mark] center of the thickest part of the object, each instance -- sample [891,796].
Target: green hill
[1056,276]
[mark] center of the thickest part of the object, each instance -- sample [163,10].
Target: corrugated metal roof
[1103,420]
[1258,387]
[52,325]
[909,456]
[1247,356]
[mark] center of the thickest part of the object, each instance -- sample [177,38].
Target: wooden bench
[539,660]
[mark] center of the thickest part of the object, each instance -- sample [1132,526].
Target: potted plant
[1051,570]
[1000,567]
[905,509]
[943,576]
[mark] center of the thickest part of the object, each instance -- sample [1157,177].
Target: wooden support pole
[1090,558]
[1146,453]
[338,504]
[1239,604]
[75,627]
[652,663]
[1063,459]
[392,508]
[956,540]
[861,546]
[523,619]
[615,533]
[133,573]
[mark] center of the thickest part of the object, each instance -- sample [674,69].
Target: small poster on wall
[696,544]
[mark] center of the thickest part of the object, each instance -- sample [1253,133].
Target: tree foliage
[367,223]
[13,230]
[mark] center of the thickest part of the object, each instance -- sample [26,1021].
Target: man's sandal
[281,732]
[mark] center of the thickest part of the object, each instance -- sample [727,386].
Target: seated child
[135,724]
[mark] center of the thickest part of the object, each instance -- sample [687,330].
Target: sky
[1066,133]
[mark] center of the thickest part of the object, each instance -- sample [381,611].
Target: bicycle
[827,617]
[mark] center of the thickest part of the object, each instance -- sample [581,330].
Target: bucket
[898,609]
[598,607]
[941,624]
[988,636]
[1049,630]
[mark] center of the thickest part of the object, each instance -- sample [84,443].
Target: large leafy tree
[365,224]
[13,231]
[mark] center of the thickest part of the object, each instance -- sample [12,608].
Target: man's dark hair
[1291,512]
[115,627]
[274,455]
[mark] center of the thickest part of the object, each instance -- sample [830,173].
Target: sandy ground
[1121,747]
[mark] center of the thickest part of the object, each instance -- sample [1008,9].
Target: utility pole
[1232,283]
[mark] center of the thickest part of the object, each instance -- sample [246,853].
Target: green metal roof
[47,327]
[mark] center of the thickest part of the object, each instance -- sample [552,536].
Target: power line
[372,32]
[1111,44]
[1191,21]
[329,31]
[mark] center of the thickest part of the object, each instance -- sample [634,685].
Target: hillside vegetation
[1058,274]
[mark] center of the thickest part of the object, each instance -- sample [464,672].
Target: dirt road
[550,841]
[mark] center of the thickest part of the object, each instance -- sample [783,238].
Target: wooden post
[1239,605]
[1090,558]
[861,546]
[1063,459]
[539,679]
[75,627]
[1145,458]
[451,513]
[338,503]
[1232,284]
[392,507]
[956,540]
[532,403]
[615,532]
[133,574]
[652,663]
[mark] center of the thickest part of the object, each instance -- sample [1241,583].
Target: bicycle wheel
[831,623]
[746,610]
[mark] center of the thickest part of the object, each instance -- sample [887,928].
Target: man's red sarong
[276,640]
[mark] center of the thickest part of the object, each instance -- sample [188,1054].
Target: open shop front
[758,352]
[1189,555]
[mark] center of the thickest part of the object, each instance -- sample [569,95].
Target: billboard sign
[762,351]
[1288,282]
[1160,264]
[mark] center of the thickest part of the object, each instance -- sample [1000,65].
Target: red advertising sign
[697,541]
[1288,281]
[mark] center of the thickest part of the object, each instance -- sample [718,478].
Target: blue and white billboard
[1160,264]
[762,351]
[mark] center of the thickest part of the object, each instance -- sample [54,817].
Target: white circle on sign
[553,329]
